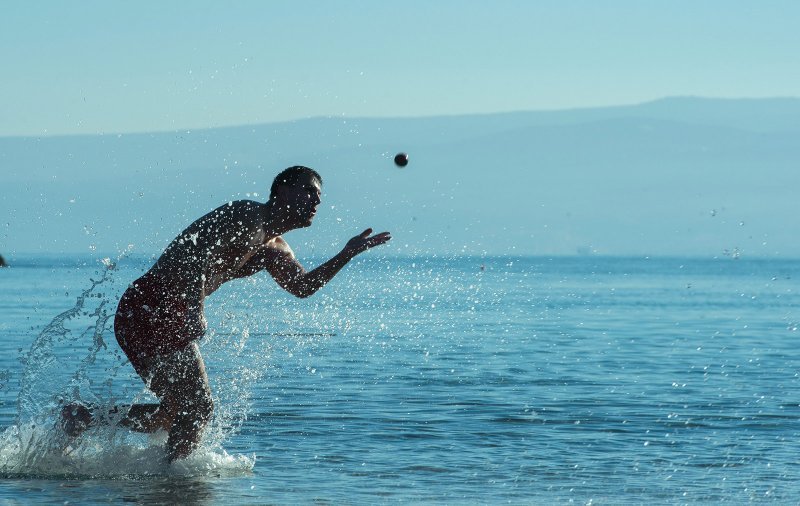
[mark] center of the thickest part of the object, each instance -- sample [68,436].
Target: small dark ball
[401,159]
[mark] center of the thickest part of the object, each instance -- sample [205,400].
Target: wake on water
[60,369]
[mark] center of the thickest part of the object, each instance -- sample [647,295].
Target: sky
[95,67]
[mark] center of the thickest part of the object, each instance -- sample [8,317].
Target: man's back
[214,247]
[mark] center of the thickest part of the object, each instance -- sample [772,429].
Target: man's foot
[75,418]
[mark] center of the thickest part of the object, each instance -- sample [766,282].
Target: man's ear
[280,190]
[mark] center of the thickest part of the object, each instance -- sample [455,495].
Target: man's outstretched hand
[362,242]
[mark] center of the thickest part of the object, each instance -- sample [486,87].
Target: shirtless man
[160,316]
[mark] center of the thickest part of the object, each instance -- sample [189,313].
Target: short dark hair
[290,176]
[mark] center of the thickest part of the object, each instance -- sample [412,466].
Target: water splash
[36,398]
[51,375]
[58,369]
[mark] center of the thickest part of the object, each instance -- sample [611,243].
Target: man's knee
[198,405]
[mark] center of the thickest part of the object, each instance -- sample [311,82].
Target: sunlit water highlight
[522,380]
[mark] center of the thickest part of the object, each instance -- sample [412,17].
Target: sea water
[437,380]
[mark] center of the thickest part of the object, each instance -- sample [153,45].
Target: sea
[433,380]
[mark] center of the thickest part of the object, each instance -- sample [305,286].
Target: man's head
[295,195]
[291,176]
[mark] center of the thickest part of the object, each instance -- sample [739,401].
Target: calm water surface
[440,380]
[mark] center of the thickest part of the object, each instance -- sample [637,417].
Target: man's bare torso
[217,247]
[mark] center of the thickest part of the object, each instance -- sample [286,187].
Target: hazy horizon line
[403,117]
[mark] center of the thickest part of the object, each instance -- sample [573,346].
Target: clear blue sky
[109,66]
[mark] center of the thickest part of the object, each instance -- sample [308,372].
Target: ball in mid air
[401,159]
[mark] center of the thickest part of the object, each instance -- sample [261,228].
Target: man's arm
[291,276]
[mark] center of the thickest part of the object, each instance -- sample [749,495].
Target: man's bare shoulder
[238,208]
[278,246]
[274,255]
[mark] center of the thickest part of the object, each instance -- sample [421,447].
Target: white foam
[110,452]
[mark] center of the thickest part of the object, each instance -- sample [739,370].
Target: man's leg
[76,417]
[181,383]
[146,418]
[150,417]
[185,395]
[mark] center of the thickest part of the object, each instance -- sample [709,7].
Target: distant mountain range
[678,176]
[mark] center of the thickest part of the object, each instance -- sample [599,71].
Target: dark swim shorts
[150,322]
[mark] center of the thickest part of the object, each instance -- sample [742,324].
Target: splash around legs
[181,384]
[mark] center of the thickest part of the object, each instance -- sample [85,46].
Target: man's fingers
[379,239]
[363,240]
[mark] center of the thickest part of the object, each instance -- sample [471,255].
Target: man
[160,316]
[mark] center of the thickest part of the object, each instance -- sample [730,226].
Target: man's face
[299,201]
